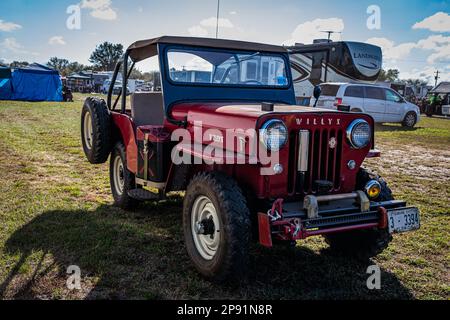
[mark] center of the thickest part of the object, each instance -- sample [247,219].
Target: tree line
[104,58]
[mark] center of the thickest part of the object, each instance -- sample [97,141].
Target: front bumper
[296,221]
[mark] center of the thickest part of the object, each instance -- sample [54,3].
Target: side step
[144,195]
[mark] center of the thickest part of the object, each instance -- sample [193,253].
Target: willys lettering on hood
[318,122]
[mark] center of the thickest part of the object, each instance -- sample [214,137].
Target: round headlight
[359,134]
[273,134]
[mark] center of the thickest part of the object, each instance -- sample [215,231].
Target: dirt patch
[418,162]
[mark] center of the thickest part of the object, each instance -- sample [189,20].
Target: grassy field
[55,211]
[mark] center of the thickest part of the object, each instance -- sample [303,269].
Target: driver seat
[147,108]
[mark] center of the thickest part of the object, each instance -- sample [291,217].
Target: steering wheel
[253,82]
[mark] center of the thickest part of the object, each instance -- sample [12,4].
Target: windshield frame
[182,48]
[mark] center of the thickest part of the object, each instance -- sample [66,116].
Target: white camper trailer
[326,61]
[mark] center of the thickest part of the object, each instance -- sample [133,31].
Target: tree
[75,67]
[136,74]
[3,63]
[389,75]
[106,55]
[58,64]
[417,82]
[18,64]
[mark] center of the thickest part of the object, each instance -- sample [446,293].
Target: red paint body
[222,116]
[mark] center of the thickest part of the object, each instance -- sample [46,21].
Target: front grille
[324,162]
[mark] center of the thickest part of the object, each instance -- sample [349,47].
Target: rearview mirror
[317,92]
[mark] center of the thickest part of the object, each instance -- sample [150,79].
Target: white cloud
[439,22]
[201,30]
[392,51]
[100,9]
[198,64]
[437,47]
[11,44]
[9,26]
[440,45]
[198,31]
[233,13]
[211,23]
[308,31]
[56,40]
[426,73]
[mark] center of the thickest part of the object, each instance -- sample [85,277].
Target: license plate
[403,220]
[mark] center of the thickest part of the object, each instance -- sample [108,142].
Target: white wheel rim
[206,240]
[118,175]
[410,120]
[88,131]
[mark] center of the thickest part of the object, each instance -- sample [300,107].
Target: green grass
[55,211]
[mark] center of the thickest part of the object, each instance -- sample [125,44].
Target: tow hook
[298,228]
[276,213]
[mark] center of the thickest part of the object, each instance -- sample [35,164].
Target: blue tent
[5,84]
[36,83]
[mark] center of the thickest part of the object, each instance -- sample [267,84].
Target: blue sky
[414,34]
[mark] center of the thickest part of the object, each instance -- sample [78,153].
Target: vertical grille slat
[319,154]
[327,158]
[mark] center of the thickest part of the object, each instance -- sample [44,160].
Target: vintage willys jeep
[225,129]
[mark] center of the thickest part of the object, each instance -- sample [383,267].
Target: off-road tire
[122,200]
[406,123]
[100,145]
[366,243]
[231,259]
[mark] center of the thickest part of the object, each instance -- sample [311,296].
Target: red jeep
[222,125]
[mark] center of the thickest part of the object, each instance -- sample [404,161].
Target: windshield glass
[201,66]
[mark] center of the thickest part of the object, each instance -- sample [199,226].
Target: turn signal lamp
[373,189]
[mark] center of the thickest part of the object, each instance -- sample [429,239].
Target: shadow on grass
[141,255]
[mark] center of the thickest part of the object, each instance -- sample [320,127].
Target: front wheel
[410,120]
[121,179]
[216,224]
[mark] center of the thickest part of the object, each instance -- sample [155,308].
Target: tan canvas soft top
[144,49]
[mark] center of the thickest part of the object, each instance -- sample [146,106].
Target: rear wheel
[216,223]
[410,120]
[368,243]
[121,179]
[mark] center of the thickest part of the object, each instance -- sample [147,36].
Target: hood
[256,109]
[249,115]
[251,110]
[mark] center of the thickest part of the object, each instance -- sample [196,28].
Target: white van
[383,104]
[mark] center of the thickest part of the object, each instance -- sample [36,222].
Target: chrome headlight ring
[273,135]
[359,134]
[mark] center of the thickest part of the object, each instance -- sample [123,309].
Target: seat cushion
[147,108]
